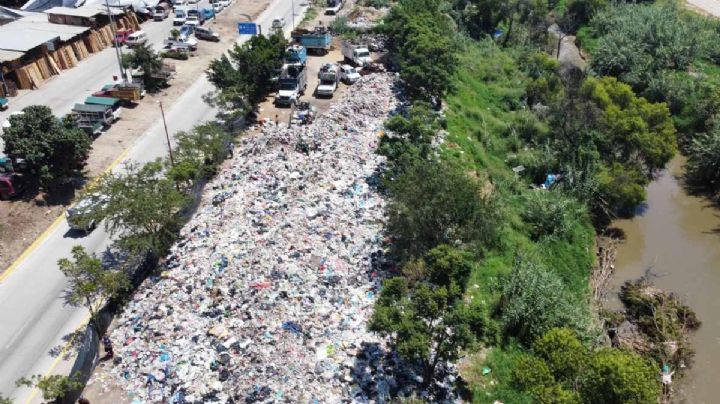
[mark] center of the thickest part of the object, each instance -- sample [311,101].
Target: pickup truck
[83,216]
[357,54]
[333,6]
[181,43]
[92,117]
[111,102]
[318,39]
[11,185]
[329,75]
[161,11]
[278,23]
[121,36]
[348,74]
[291,84]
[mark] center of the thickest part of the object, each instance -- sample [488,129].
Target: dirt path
[23,220]
[707,7]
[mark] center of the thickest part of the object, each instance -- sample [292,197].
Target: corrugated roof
[84,11]
[17,37]
[9,55]
[66,32]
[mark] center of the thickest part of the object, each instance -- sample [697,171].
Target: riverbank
[674,238]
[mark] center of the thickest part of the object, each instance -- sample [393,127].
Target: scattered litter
[267,294]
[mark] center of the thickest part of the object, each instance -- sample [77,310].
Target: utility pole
[115,44]
[167,135]
[293,14]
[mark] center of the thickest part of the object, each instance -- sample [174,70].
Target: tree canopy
[143,208]
[144,57]
[53,149]
[243,76]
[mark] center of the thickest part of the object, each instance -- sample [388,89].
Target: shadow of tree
[70,344]
[381,376]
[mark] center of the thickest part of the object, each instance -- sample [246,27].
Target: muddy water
[677,237]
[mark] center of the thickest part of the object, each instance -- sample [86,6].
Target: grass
[310,14]
[483,114]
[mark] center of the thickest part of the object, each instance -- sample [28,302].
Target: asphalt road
[33,313]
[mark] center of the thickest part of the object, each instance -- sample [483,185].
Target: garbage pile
[267,295]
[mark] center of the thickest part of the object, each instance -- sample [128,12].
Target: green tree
[243,77]
[410,137]
[435,203]
[703,165]
[143,208]
[421,38]
[615,376]
[426,323]
[144,58]
[53,387]
[199,152]
[54,149]
[90,284]
[563,353]
[636,41]
[533,375]
[5,400]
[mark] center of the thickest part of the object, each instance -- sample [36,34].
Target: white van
[136,38]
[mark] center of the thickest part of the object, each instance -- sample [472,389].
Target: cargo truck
[329,75]
[319,39]
[291,84]
[357,54]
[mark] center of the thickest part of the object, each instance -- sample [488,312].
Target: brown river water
[677,236]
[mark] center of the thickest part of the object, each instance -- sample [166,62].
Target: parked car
[84,215]
[217,7]
[161,12]
[186,31]
[137,38]
[207,13]
[348,74]
[207,34]
[122,35]
[278,23]
[180,15]
[177,3]
[11,185]
[193,20]
[225,3]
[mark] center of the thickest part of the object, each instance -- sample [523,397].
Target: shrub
[550,214]
[615,376]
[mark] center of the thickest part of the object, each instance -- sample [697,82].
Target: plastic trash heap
[267,294]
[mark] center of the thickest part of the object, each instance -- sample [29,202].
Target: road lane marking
[35,244]
[59,358]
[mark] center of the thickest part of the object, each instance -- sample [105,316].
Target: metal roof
[107,101]
[16,37]
[84,11]
[90,108]
[10,55]
[66,32]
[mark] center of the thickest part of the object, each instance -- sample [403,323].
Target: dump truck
[318,39]
[92,117]
[296,54]
[111,102]
[329,76]
[357,54]
[128,92]
[291,84]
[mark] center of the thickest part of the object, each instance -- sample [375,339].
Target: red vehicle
[122,36]
[10,186]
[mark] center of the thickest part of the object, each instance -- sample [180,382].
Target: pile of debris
[267,295]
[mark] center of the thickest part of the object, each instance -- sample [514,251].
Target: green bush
[550,214]
[615,376]
[703,165]
[534,300]
[179,55]
[564,354]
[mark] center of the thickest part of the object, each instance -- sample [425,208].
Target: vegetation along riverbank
[505,167]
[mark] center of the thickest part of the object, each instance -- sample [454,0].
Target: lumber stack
[34,74]
[78,46]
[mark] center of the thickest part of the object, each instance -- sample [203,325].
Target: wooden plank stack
[71,53]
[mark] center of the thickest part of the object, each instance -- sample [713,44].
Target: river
[678,237]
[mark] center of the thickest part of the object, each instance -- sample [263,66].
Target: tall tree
[426,323]
[144,57]
[90,284]
[143,208]
[243,77]
[199,151]
[54,149]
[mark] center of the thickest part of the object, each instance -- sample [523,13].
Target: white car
[217,7]
[225,3]
[192,20]
[278,23]
[348,74]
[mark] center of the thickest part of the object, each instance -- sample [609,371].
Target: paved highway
[33,314]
